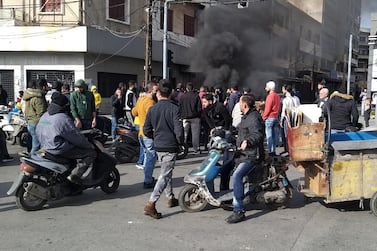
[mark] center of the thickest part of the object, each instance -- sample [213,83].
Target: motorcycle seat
[55,158]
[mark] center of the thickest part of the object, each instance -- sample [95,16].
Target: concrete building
[100,41]
[372,69]
[361,72]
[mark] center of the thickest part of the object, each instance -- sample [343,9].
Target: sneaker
[139,167]
[24,154]
[7,159]
[150,209]
[173,202]
[74,179]
[236,217]
[150,185]
[284,154]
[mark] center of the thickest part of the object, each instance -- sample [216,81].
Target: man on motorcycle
[250,145]
[58,136]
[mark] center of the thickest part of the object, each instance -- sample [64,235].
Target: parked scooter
[266,183]
[43,177]
[17,132]
[126,145]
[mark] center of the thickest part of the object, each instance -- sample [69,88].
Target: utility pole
[148,43]
[349,65]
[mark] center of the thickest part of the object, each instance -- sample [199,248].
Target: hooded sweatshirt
[35,104]
[56,132]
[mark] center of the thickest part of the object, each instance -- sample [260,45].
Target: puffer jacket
[35,104]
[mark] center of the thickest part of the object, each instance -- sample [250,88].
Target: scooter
[17,132]
[266,183]
[126,145]
[43,177]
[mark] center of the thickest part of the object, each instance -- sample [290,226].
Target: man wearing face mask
[250,146]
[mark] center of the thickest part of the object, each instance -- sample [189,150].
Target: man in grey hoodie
[59,136]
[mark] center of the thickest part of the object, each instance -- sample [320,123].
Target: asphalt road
[96,221]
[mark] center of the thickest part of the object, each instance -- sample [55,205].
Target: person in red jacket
[270,116]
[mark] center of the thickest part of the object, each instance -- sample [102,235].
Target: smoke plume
[234,46]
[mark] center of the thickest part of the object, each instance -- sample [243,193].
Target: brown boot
[150,210]
[173,202]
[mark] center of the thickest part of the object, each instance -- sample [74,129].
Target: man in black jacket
[164,125]
[249,141]
[191,110]
[215,114]
[344,115]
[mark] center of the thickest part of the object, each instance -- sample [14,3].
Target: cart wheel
[373,204]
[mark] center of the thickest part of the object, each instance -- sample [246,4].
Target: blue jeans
[272,134]
[238,189]
[114,123]
[150,157]
[35,145]
[140,161]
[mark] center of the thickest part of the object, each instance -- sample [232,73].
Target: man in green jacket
[83,107]
[35,106]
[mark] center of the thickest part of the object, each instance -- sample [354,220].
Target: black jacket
[117,107]
[164,125]
[190,105]
[343,111]
[251,129]
[217,115]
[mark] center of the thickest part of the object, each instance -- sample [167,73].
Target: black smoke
[234,46]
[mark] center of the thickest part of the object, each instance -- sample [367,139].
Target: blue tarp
[347,136]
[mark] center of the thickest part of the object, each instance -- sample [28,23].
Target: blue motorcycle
[266,183]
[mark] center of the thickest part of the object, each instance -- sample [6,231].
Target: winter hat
[59,99]
[93,88]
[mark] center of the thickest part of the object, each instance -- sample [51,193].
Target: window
[170,20]
[119,10]
[51,6]
[189,26]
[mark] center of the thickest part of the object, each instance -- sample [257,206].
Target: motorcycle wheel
[111,183]
[190,200]
[183,150]
[28,202]
[276,206]
[23,139]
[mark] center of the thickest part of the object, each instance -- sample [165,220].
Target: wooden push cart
[346,170]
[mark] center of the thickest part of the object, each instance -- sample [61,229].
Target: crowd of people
[167,117]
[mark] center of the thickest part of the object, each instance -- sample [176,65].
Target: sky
[367,7]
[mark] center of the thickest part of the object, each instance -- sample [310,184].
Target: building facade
[100,41]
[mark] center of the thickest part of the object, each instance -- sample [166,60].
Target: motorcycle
[266,183]
[16,131]
[43,177]
[126,145]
